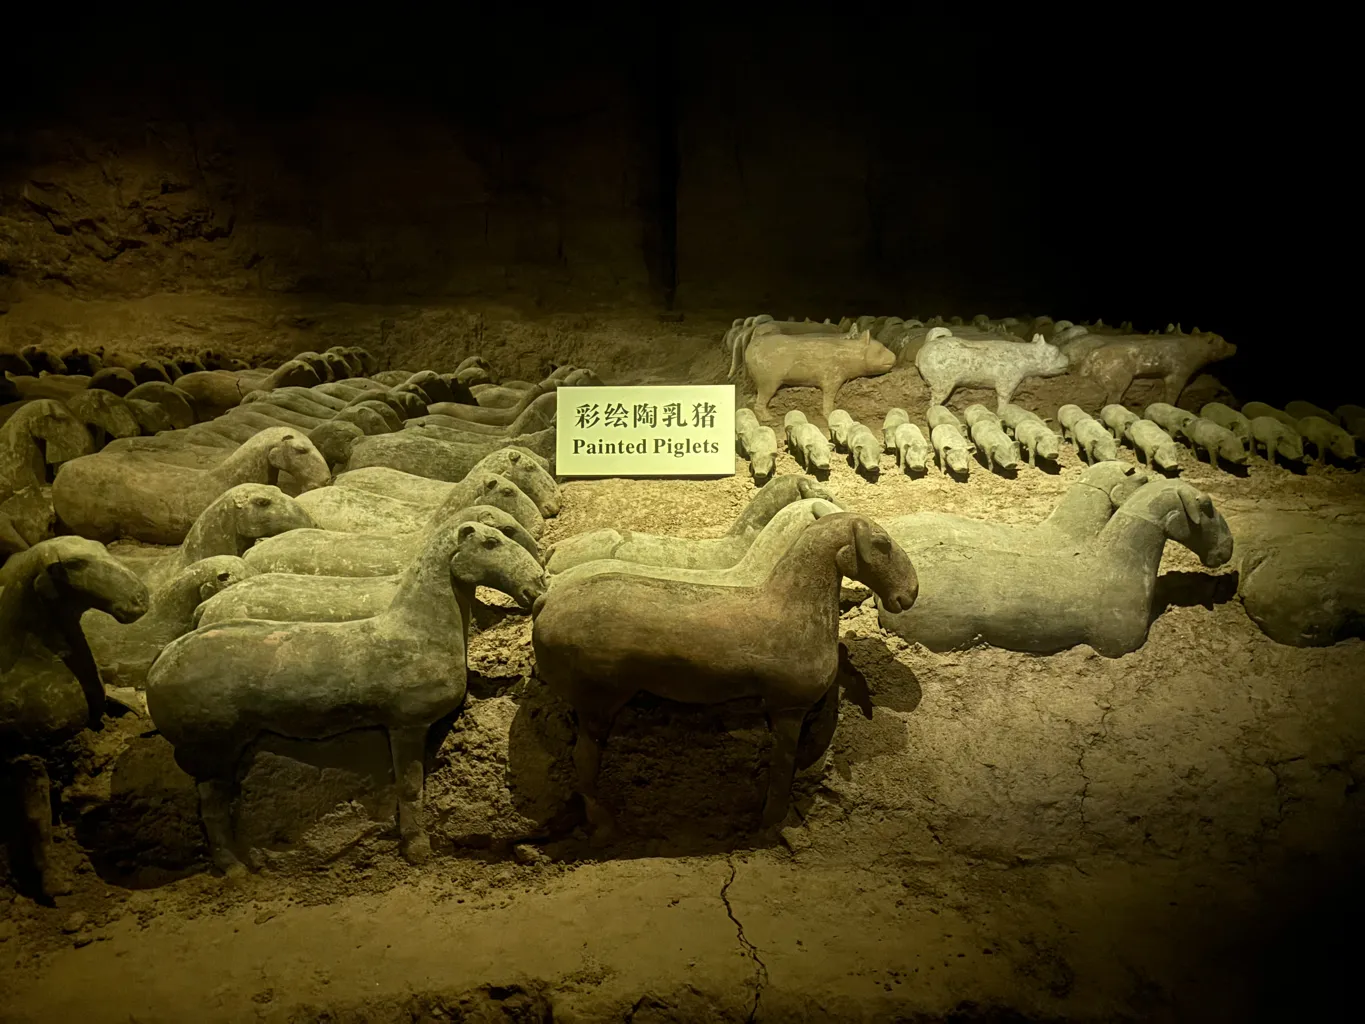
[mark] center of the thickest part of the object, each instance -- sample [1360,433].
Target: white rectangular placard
[687,430]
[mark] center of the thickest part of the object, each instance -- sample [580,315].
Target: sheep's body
[338,553]
[1097,593]
[356,511]
[523,467]
[214,691]
[710,553]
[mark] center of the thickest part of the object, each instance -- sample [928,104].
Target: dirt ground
[1170,835]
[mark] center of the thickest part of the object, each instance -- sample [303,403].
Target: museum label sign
[646,431]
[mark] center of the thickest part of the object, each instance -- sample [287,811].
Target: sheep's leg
[786,730]
[408,749]
[35,801]
[215,810]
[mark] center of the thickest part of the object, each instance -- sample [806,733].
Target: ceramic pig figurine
[989,437]
[940,414]
[1038,440]
[1300,410]
[809,447]
[1175,359]
[946,363]
[1168,417]
[1276,439]
[1154,444]
[778,360]
[1217,442]
[840,423]
[1228,418]
[1253,409]
[953,449]
[864,449]
[1327,437]
[1117,418]
[758,443]
[912,450]
[1091,438]
[894,418]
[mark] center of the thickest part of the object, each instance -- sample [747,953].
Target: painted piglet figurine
[778,360]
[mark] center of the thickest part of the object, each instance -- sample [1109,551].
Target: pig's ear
[866,337]
[1038,339]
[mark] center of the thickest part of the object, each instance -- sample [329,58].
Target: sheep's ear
[514,457]
[490,484]
[465,531]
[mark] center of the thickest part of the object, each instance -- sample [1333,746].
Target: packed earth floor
[1173,834]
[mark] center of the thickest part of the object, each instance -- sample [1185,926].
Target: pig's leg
[829,392]
[761,400]
[1172,385]
[1004,391]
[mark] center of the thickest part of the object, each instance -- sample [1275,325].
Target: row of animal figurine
[777,354]
[1003,437]
[365,575]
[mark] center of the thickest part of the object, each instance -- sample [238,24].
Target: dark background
[824,163]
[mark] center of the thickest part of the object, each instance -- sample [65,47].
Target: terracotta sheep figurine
[604,637]
[48,676]
[654,549]
[213,692]
[946,363]
[520,465]
[1098,592]
[1277,439]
